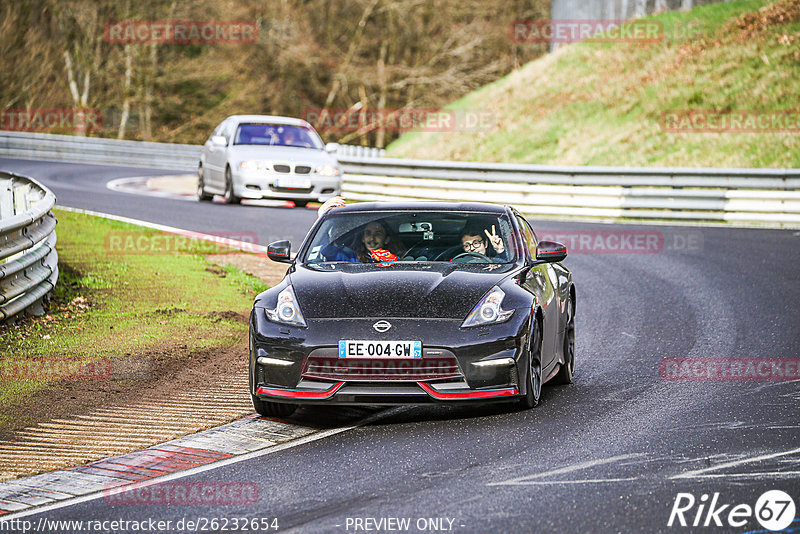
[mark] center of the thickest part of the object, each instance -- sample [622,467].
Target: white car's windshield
[418,236]
[276,135]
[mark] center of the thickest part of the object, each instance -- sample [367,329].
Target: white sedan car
[262,156]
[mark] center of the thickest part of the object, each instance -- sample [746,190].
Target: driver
[375,244]
[473,240]
[289,137]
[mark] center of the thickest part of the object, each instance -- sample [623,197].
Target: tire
[272,409]
[533,377]
[201,186]
[566,372]
[230,196]
[300,203]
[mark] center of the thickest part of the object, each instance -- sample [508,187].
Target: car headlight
[251,165]
[287,310]
[489,310]
[327,170]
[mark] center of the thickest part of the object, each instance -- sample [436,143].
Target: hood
[431,290]
[281,154]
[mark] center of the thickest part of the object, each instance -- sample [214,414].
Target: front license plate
[292,182]
[353,348]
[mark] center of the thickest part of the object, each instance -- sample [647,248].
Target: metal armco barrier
[185,158]
[739,196]
[25,145]
[28,258]
[766,196]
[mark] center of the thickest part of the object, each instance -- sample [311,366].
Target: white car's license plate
[354,348]
[293,182]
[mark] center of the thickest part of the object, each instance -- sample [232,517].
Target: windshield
[277,135]
[418,236]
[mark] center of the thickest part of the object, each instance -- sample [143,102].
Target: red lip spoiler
[298,394]
[455,395]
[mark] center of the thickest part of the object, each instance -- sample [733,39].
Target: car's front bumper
[262,184]
[301,365]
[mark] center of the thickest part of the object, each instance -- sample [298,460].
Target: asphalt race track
[84,186]
[609,453]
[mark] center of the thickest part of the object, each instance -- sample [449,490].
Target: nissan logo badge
[382,326]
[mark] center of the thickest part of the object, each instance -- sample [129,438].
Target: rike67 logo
[774,510]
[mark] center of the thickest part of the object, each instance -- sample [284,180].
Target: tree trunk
[126,103]
[79,99]
[380,139]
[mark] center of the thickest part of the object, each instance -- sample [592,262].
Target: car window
[418,236]
[528,235]
[227,130]
[276,135]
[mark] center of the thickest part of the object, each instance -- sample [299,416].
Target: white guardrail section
[28,258]
[762,196]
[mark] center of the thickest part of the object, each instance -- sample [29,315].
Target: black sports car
[410,303]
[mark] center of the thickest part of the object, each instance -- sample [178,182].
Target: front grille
[409,369]
[282,168]
[302,169]
[301,190]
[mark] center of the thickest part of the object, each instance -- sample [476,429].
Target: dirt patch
[267,270]
[228,315]
[174,367]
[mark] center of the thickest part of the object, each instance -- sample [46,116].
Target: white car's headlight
[327,170]
[253,165]
[287,310]
[489,310]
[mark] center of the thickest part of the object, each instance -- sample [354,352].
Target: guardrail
[761,196]
[28,258]
[26,145]
[766,196]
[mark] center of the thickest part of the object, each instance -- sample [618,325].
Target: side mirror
[219,140]
[332,148]
[279,251]
[550,251]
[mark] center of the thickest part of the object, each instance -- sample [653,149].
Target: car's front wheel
[272,409]
[300,203]
[230,196]
[533,380]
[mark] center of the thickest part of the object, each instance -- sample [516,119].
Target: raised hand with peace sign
[495,240]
